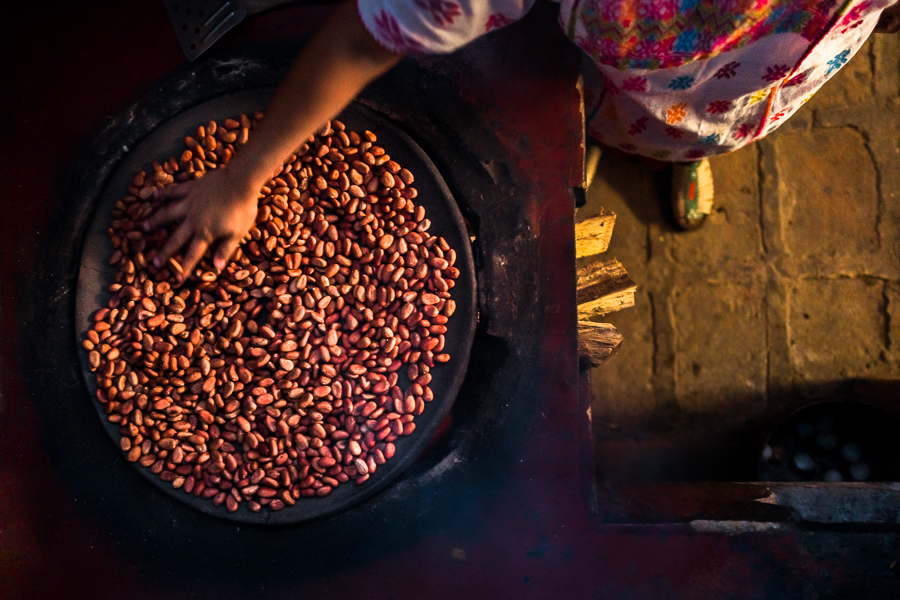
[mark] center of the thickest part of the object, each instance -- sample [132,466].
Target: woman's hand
[219,209]
[216,210]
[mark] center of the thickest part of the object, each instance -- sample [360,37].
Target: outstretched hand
[214,212]
[220,208]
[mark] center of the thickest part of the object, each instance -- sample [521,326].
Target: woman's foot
[692,193]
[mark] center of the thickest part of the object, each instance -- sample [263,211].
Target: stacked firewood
[603,287]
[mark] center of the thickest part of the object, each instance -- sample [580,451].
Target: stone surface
[838,328]
[829,196]
[720,347]
[789,292]
[892,298]
[886,50]
[625,395]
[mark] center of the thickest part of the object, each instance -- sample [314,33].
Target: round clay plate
[167,140]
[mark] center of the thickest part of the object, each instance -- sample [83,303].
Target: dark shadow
[673,445]
[645,189]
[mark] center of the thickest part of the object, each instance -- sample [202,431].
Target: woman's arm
[220,208]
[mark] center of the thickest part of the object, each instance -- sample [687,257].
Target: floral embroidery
[743,131]
[389,31]
[727,71]
[695,154]
[661,154]
[789,23]
[673,109]
[608,11]
[797,79]
[686,42]
[635,84]
[496,21]
[627,147]
[610,87]
[638,126]
[441,11]
[687,30]
[591,46]
[778,115]
[676,113]
[758,96]
[718,107]
[681,82]
[671,61]
[611,113]
[646,50]
[650,10]
[838,61]
[853,26]
[856,12]
[776,72]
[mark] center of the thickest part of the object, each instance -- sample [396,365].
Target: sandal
[692,193]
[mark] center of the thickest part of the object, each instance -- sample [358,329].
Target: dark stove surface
[503,473]
[500,505]
[245,93]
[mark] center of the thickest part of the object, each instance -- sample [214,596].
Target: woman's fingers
[167,214]
[225,251]
[203,224]
[178,239]
[174,192]
[193,255]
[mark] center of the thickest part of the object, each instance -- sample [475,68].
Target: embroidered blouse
[668,79]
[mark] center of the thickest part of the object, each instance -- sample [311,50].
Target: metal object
[447,222]
[832,440]
[199,24]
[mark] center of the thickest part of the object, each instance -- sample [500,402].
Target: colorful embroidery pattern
[757,96]
[796,79]
[656,34]
[496,21]
[442,12]
[681,82]
[391,34]
[727,71]
[777,116]
[676,113]
[743,130]
[611,113]
[776,72]
[717,107]
[635,84]
[679,79]
[837,62]
[638,126]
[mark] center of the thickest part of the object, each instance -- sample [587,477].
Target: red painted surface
[536,538]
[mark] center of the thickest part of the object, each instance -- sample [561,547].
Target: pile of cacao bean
[297,367]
